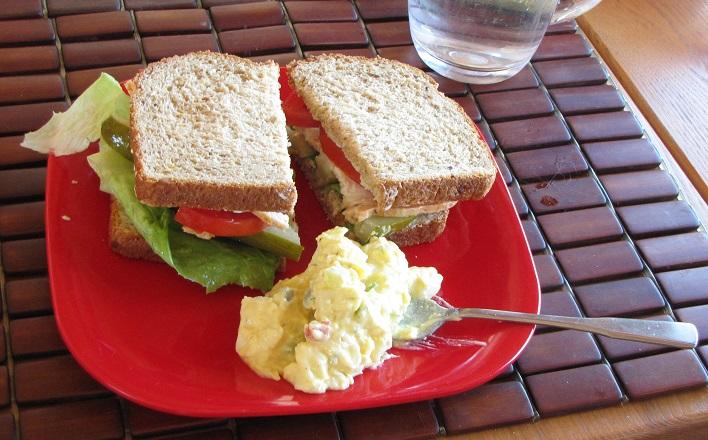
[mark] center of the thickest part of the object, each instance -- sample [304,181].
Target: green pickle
[282,242]
[117,136]
[379,227]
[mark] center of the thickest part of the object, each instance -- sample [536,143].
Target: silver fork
[427,316]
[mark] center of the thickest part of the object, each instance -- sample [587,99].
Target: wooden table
[657,52]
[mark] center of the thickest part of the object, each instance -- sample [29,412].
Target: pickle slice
[283,242]
[380,227]
[117,136]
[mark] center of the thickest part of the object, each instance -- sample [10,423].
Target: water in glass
[478,41]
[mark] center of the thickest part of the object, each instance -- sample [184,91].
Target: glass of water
[483,41]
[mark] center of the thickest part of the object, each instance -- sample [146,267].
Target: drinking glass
[484,41]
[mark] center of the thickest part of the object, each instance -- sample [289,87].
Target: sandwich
[386,153]
[194,153]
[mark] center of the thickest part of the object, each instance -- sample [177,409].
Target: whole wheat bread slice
[124,238]
[411,144]
[426,228]
[208,131]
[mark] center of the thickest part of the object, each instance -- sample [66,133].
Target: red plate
[158,340]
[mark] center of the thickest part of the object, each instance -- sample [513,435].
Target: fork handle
[674,334]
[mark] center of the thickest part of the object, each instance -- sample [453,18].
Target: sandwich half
[385,151]
[207,131]
[208,137]
[194,153]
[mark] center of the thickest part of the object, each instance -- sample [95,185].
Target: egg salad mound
[321,328]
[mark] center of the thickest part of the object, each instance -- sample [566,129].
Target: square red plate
[159,340]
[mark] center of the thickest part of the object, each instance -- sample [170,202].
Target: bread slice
[208,131]
[124,238]
[411,144]
[426,228]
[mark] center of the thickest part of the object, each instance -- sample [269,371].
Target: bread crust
[198,194]
[167,193]
[124,238]
[426,228]
[410,192]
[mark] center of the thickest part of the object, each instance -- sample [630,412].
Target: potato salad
[321,328]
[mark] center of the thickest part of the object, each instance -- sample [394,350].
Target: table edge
[680,415]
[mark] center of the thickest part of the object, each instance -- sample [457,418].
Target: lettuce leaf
[211,263]
[73,130]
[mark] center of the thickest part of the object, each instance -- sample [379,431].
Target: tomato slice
[296,113]
[122,86]
[336,155]
[220,223]
[285,89]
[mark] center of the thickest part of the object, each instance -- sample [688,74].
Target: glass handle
[569,9]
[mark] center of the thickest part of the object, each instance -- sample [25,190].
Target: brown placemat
[610,232]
